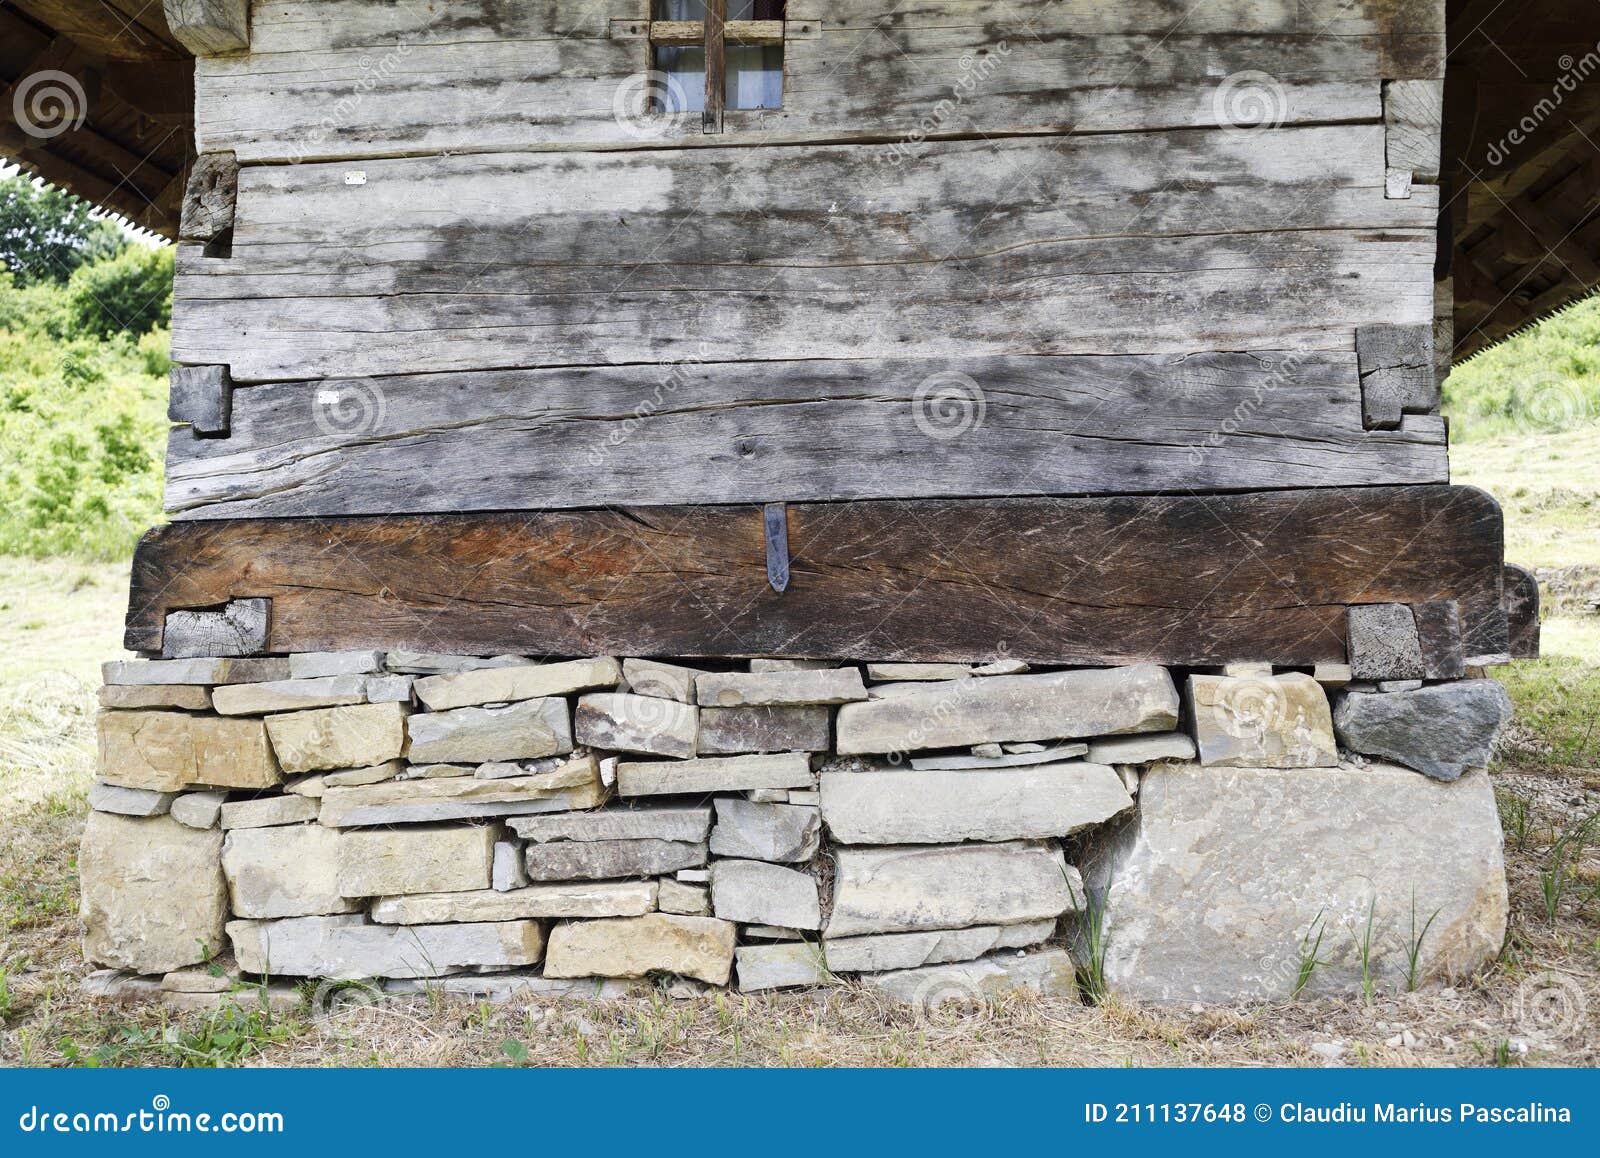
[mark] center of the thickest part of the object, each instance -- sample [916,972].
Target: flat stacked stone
[347,947]
[435,818]
[697,947]
[1000,804]
[1061,705]
[170,751]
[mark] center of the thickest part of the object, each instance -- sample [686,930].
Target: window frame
[714,34]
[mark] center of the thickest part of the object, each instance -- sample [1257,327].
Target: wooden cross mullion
[716,64]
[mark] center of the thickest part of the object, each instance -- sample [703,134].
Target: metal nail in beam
[777,519]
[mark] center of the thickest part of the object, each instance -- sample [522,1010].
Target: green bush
[82,418]
[1544,380]
[127,294]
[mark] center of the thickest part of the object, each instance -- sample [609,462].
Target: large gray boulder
[1441,731]
[1219,886]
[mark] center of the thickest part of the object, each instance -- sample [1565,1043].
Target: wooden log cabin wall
[997,269]
[1043,397]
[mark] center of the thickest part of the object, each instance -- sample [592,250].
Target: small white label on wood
[355,177]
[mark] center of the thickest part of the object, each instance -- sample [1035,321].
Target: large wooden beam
[793,431]
[210,27]
[1171,579]
[114,29]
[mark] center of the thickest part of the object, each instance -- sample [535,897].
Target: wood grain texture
[357,79]
[1168,579]
[1179,242]
[1413,114]
[239,629]
[794,431]
[1522,603]
[210,27]
[1397,373]
[202,397]
[210,197]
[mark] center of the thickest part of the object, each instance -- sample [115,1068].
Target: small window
[739,43]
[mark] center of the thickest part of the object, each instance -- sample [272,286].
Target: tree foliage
[83,362]
[46,235]
[127,294]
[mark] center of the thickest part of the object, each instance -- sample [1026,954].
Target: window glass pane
[685,87]
[754,9]
[755,76]
[680,10]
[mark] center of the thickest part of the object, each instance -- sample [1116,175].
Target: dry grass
[69,619]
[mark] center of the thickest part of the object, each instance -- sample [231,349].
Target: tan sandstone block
[325,739]
[1262,722]
[170,751]
[699,947]
[284,872]
[439,858]
[153,897]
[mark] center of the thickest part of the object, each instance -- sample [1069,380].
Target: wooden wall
[986,248]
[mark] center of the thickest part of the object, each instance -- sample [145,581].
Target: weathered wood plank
[202,397]
[1170,579]
[209,27]
[1177,242]
[350,78]
[210,197]
[1413,113]
[796,431]
[1522,600]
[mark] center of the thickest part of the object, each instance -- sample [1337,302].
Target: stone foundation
[499,825]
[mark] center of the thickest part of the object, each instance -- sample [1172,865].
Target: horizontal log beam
[805,430]
[1168,579]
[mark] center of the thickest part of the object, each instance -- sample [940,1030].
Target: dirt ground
[1539,1005]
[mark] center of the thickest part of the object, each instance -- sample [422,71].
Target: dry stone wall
[500,825]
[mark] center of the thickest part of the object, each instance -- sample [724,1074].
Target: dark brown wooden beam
[1169,579]
[119,30]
